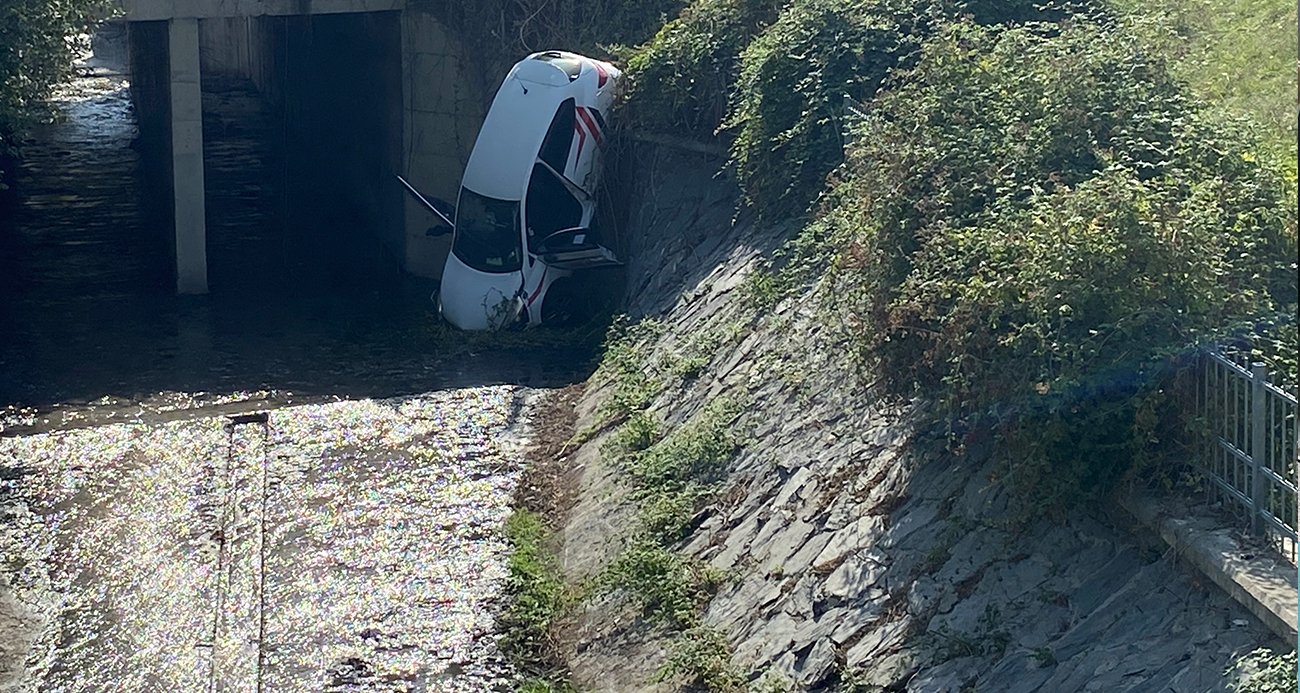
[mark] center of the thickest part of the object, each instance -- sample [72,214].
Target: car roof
[516,124]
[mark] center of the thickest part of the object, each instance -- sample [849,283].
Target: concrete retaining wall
[362,97]
[225,44]
[442,111]
[857,554]
[149,67]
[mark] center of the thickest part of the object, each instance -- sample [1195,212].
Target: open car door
[574,249]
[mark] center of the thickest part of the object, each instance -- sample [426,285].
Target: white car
[525,213]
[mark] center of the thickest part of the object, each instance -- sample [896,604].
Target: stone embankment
[857,556]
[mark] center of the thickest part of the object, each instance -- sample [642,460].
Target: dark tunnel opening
[302,131]
[332,84]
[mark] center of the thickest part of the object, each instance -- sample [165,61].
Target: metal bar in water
[220,585]
[238,650]
[426,202]
[261,561]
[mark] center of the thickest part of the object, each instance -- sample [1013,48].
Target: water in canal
[350,546]
[289,485]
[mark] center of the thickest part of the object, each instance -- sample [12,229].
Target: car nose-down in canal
[525,215]
[344,546]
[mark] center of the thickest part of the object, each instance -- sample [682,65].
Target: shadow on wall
[334,82]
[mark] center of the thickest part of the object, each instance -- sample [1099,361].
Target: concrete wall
[150,80]
[225,45]
[443,108]
[335,81]
[265,62]
[152,10]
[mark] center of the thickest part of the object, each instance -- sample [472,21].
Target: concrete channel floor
[345,546]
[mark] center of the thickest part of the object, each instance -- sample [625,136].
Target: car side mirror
[439,230]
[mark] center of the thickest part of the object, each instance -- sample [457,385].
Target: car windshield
[487,233]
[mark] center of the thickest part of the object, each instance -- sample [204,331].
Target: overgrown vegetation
[670,476]
[787,105]
[1269,672]
[535,583]
[37,47]
[1239,55]
[500,32]
[671,479]
[538,596]
[1028,219]
[683,78]
[1032,221]
[624,366]
[773,76]
[701,655]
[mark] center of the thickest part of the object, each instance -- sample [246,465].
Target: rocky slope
[856,556]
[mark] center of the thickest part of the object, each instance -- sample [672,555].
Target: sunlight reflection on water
[356,542]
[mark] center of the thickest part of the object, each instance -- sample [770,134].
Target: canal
[292,484]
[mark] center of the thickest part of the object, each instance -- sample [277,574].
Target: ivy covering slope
[1020,215]
[1031,223]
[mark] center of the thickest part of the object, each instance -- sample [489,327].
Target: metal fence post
[1258,489]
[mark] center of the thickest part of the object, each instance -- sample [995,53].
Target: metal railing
[1249,457]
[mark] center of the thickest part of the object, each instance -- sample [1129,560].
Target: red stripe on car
[602,75]
[540,283]
[591,125]
[582,138]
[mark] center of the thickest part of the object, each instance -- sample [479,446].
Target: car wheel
[569,301]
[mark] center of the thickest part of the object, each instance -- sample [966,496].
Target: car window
[571,64]
[487,233]
[549,206]
[555,148]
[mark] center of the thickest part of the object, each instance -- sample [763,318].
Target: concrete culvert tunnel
[305,121]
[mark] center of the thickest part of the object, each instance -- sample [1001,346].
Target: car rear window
[487,233]
[571,64]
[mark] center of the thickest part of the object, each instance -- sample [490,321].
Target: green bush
[1271,672]
[776,74]
[701,657]
[788,99]
[681,79]
[697,452]
[1031,221]
[36,53]
[667,587]
[537,593]
[1238,54]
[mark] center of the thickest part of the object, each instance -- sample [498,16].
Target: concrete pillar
[187,157]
